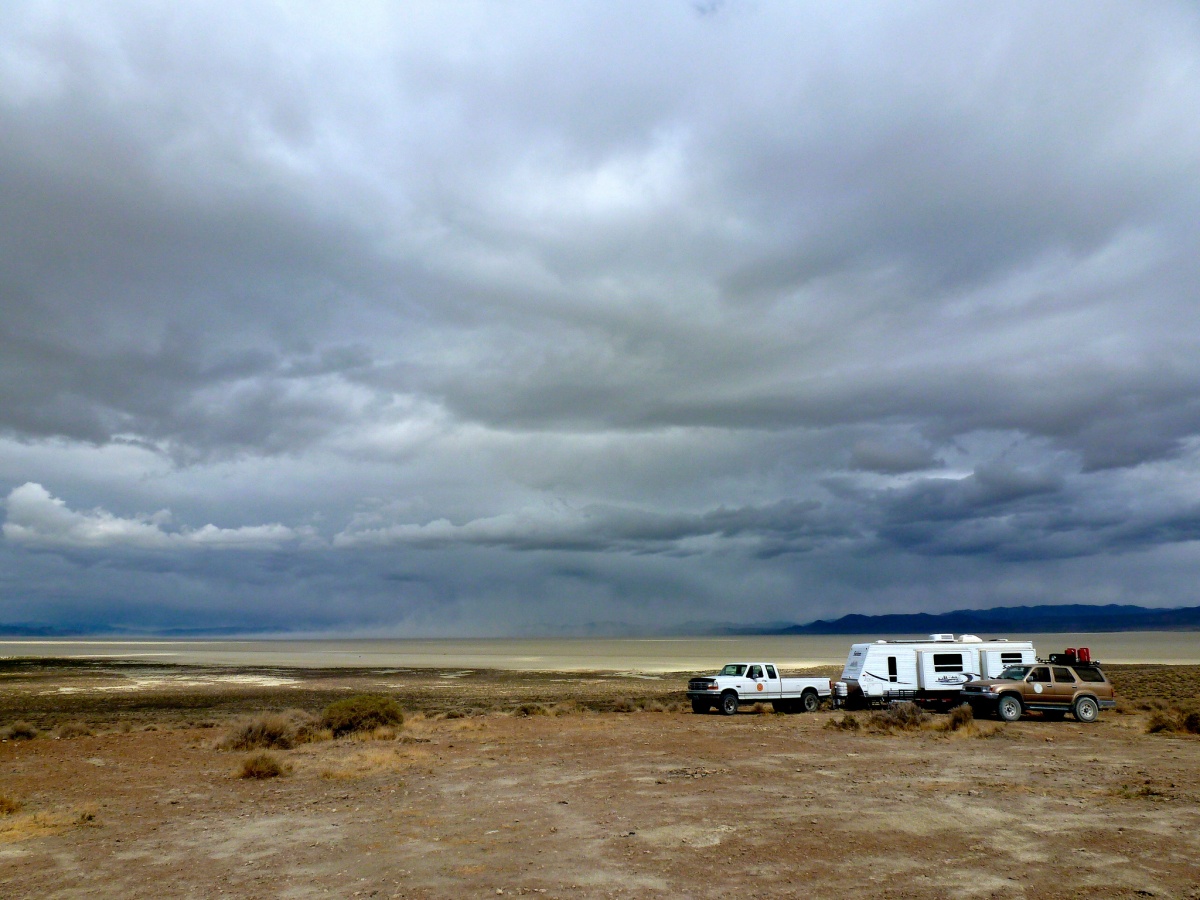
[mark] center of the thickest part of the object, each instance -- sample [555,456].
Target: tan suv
[1051,688]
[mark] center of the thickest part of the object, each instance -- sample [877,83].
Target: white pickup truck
[755,682]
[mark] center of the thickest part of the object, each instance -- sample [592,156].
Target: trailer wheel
[1009,708]
[810,702]
[1086,709]
[729,703]
[699,706]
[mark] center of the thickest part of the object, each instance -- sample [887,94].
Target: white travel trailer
[929,672]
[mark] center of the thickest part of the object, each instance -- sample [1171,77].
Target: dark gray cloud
[496,314]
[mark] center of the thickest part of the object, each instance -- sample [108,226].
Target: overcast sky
[547,317]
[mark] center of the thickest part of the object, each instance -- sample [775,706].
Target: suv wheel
[1009,708]
[1086,709]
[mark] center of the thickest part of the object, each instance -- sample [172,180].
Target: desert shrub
[960,717]
[9,805]
[848,722]
[362,712]
[904,716]
[272,731]
[19,731]
[74,730]
[262,765]
[1162,721]
[1173,721]
[538,709]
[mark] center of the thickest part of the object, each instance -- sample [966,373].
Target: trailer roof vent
[971,639]
[941,637]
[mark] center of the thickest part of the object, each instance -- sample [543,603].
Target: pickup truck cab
[755,682]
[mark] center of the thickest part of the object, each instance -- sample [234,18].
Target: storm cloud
[521,318]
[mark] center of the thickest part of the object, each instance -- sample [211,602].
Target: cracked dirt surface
[609,804]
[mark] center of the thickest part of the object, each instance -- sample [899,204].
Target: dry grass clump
[9,805]
[848,722]
[1173,721]
[19,731]
[642,704]
[274,731]
[263,765]
[74,730]
[904,716]
[961,718]
[1146,790]
[21,826]
[362,712]
[365,764]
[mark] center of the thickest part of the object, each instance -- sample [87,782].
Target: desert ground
[114,783]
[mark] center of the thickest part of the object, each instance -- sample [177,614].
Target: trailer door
[942,670]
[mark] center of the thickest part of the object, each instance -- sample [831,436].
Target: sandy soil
[585,803]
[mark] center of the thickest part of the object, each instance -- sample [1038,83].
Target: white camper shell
[929,672]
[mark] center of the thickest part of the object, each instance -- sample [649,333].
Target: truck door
[760,685]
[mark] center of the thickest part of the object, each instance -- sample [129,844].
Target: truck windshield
[732,669]
[1015,673]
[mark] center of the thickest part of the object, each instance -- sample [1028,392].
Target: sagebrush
[263,765]
[362,712]
[273,731]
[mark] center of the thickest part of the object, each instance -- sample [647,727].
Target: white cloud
[37,518]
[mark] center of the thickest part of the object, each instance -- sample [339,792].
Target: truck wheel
[1009,708]
[699,706]
[810,702]
[729,703]
[1086,709]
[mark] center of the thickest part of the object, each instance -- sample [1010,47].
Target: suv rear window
[1089,673]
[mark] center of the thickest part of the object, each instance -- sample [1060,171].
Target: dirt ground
[503,784]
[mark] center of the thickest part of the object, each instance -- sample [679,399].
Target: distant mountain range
[1007,619]
[999,621]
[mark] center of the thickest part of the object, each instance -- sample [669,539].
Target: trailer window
[1010,659]
[947,662]
[1089,673]
[732,669]
[771,672]
[892,671]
